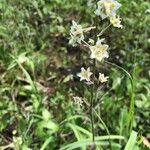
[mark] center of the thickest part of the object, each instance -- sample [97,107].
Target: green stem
[96,105]
[101,33]
[92,91]
[92,119]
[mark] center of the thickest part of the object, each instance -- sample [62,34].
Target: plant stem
[101,33]
[92,91]
[92,119]
[88,45]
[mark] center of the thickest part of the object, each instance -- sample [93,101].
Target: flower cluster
[108,8]
[78,101]
[86,75]
[98,49]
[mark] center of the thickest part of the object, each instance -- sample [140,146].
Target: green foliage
[37,86]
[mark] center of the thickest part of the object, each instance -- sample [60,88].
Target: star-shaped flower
[85,74]
[99,51]
[76,33]
[102,78]
[107,8]
[116,21]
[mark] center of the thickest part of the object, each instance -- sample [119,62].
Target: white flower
[107,8]
[116,21]
[99,51]
[85,74]
[78,100]
[76,33]
[102,78]
[76,29]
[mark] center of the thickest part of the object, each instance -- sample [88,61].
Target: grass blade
[132,141]
[101,140]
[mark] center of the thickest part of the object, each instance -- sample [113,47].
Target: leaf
[76,145]
[80,129]
[47,141]
[132,141]
[123,121]
[50,127]
[46,115]
[101,140]
[77,133]
[28,77]
[74,117]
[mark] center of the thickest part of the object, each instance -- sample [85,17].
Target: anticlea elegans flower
[85,74]
[107,8]
[99,51]
[116,21]
[102,78]
[76,33]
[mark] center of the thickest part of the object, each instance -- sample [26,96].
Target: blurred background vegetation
[37,64]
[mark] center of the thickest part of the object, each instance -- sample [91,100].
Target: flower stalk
[98,51]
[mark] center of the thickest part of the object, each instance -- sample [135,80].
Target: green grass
[37,87]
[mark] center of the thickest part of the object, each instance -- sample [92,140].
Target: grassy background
[36,64]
